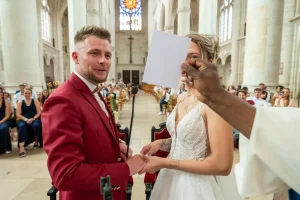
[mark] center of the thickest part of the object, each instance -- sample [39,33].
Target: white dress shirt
[92,87]
[258,102]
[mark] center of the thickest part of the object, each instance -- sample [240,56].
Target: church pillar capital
[263,43]
[23,66]
[169,29]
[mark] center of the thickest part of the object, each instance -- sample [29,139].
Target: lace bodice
[191,138]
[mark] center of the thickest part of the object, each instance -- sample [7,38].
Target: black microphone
[134,91]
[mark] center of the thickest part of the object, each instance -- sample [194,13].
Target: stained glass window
[46,21]
[131,15]
[225,20]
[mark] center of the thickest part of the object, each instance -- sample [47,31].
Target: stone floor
[28,178]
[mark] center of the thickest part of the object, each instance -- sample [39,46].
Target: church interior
[257,54]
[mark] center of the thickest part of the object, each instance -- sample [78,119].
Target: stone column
[151,22]
[112,29]
[77,19]
[20,39]
[295,61]
[184,14]
[263,43]
[236,19]
[208,12]
[93,14]
[287,43]
[1,60]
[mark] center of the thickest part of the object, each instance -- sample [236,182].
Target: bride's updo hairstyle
[208,44]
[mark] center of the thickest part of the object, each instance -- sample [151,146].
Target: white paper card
[166,54]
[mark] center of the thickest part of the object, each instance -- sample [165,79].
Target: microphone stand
[105,188]
[134,91]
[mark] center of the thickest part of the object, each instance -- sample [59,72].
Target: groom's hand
[153,164]
[123,151]
[135,164]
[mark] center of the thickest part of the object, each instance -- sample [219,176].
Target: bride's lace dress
[188,144]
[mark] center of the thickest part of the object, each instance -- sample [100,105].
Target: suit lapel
[87,94]
[111,118]
[92,100]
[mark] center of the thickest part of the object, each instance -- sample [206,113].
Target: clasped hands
[143,162]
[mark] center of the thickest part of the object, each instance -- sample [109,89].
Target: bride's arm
[219,162]
[165,144]
[153,147]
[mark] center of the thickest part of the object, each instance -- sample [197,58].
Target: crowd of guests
[20,118]
[263,97]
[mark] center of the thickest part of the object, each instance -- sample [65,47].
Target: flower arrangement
[53,84]
[116,116]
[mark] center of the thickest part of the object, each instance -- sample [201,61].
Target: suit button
[119,159]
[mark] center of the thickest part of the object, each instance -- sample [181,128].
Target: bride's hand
[153,164]
[151,148]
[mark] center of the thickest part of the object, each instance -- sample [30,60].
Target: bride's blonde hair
[208,44]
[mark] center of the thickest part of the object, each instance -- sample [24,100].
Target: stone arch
[46,59]
[225,57]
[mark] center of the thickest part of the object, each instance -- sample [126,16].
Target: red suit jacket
[82,144]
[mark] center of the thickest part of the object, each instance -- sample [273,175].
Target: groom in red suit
[80,136]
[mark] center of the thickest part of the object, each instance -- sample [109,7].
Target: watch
[25,119]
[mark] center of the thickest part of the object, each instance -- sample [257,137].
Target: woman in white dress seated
[201,144]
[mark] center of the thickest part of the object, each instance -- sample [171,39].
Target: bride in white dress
[201,144]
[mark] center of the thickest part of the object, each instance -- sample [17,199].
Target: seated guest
[263,87]
[257,98]
[112,93]
[5,142]
[12,119]
[285,100]
[264,95]
[45,95]
[164,100]
[246,89]
[103,90]
[28,113]
[182,89]
[19,96]
[277,95]
[242,94]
